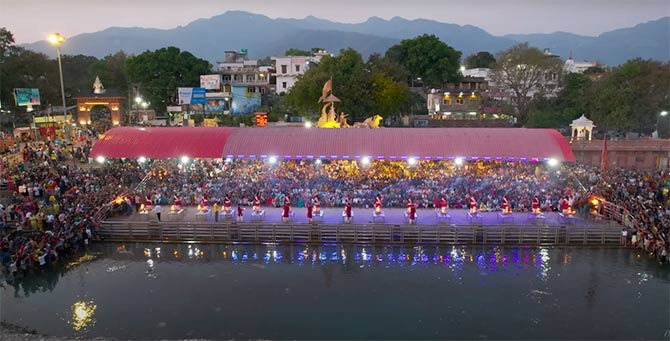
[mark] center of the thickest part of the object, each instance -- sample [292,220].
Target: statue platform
[317,217]
[505,217]
[473,217]
[258,215]
[442,218]
[378,217]
[175,215]
[537,217]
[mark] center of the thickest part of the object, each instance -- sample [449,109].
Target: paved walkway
[393,216]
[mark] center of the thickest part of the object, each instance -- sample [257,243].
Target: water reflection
[82,315]
[487,259]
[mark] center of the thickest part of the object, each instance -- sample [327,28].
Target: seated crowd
[55,206]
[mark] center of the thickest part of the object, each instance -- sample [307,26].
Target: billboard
[191,95]
[216,105]
[244,102]
[27,96]
[210,82]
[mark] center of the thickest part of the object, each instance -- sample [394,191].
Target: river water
[168,291]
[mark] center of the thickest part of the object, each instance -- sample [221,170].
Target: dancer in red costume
[505,205]
[536,205]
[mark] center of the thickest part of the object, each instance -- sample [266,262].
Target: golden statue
[330,119]
[370,122]
[327,120]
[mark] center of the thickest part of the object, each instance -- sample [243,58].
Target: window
[251,89]
[459,101]
[297,68]
[262,90]
[283,85]
[447,101]
[226,78]
[421,123]
[238,78]
[283,69]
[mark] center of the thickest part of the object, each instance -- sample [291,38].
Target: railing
[371,234]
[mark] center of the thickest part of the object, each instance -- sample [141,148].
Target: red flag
[603,158]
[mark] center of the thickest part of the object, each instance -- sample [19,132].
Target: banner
[27,96]
[216,105]
[184,95]
[191,95]
[210,82]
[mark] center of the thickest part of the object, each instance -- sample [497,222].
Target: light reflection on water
[260,291]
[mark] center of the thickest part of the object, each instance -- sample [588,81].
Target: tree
[6,41]
[482,59]
[388,95]
[160,72]
[631,96]
[526,72]
[428,58]
[112,71]
[352,84]
[297,52]
[379,64]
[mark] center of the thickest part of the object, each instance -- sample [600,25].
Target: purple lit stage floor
[395,216]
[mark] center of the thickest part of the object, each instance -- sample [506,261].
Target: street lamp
[57,39]
[663,114]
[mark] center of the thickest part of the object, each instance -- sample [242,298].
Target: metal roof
[161,142]
[302,143]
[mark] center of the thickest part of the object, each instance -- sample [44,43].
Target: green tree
[631,96]
[428,58]
[112,71]
[159,73]
[297,52]
[379,64]
[76,76]
[352,84]
[6,41]
[389,96]
[525,71]
[482,59]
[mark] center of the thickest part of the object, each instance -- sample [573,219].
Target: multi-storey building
[288,68]
[245,80]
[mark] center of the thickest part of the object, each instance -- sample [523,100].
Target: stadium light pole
[663,114]
[57,39]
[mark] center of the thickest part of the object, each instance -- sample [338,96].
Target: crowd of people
[51,211]
[55,204]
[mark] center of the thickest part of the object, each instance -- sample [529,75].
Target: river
[215,291]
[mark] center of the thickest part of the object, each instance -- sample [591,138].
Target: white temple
[580,128]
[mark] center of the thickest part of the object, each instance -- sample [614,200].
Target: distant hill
[262,36]
[650,40]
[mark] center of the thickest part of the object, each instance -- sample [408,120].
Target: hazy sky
[31,20]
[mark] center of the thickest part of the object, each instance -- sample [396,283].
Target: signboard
[210,82]
[27,96]
[261,119]
[174,108]
[191,95]
[198,96]
[216,105]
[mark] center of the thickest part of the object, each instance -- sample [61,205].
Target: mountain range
[263,36]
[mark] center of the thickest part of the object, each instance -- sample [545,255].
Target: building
[644,153]
[288,68]
[571,66]
[463,104]
[244,80]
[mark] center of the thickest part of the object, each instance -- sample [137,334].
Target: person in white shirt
[158,209]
